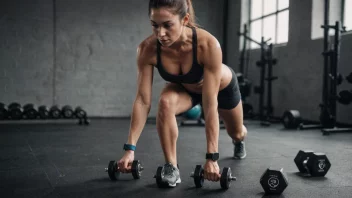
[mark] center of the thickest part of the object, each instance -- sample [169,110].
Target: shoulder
[146,50]
[208,44]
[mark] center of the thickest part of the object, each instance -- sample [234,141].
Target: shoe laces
[169,169]
[239,147]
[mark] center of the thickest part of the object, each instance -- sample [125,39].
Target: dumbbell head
[226,178]
[43,112]
[158,177]
[79,112]
[136,169]
[291,119]
[301,156]
[318,164]
[67,111]
[29,111]
[55,112]
[274,181]
[112,170]
[198,177]
[15,111]
[3,111]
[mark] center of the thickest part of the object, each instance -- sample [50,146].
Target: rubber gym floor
[68,160]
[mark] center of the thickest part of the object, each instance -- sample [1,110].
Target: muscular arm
[212,60]
[142,103]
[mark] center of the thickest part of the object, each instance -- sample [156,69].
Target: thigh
[233,118]
[177,96]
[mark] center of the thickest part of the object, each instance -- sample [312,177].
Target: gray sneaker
[170,175]
[239,150]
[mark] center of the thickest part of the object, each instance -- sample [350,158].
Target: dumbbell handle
[231,178]
[140,169]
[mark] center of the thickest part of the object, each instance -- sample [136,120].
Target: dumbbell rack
[331,79]
[28,113]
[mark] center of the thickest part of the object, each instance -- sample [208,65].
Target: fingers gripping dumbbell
[114,173]
[225,180]
[313,164]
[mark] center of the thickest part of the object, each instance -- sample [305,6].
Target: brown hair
[180,7]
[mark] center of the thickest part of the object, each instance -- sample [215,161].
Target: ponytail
[192,16]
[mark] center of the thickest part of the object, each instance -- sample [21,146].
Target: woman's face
[167,27]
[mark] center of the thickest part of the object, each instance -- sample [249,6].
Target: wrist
[129,147]
[129,151]
[212,156]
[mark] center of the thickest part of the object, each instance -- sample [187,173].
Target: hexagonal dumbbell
[311,163]
[274,181]
[225,180]
[114,173]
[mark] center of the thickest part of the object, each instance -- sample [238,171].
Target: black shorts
[228,98]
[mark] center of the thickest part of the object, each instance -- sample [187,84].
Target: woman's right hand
[124,165]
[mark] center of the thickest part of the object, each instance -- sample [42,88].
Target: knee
[166,104]
[240,133]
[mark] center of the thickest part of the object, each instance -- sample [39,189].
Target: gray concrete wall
[300,66]
[88,59]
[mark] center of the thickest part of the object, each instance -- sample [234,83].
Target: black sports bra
[195,75]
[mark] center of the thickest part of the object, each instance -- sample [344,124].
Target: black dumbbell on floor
[310,163]
[225,180]
[114,173]
[274,181]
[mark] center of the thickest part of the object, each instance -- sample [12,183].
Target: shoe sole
[177,182]
[236,157]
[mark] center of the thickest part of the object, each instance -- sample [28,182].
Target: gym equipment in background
[81,114]
[265,113]
[291,119]
[67,112]
[3,112]
[15,111]
[29,111]
[331,79]
[55,112]
[43,112]
[193,117]
[244,83]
